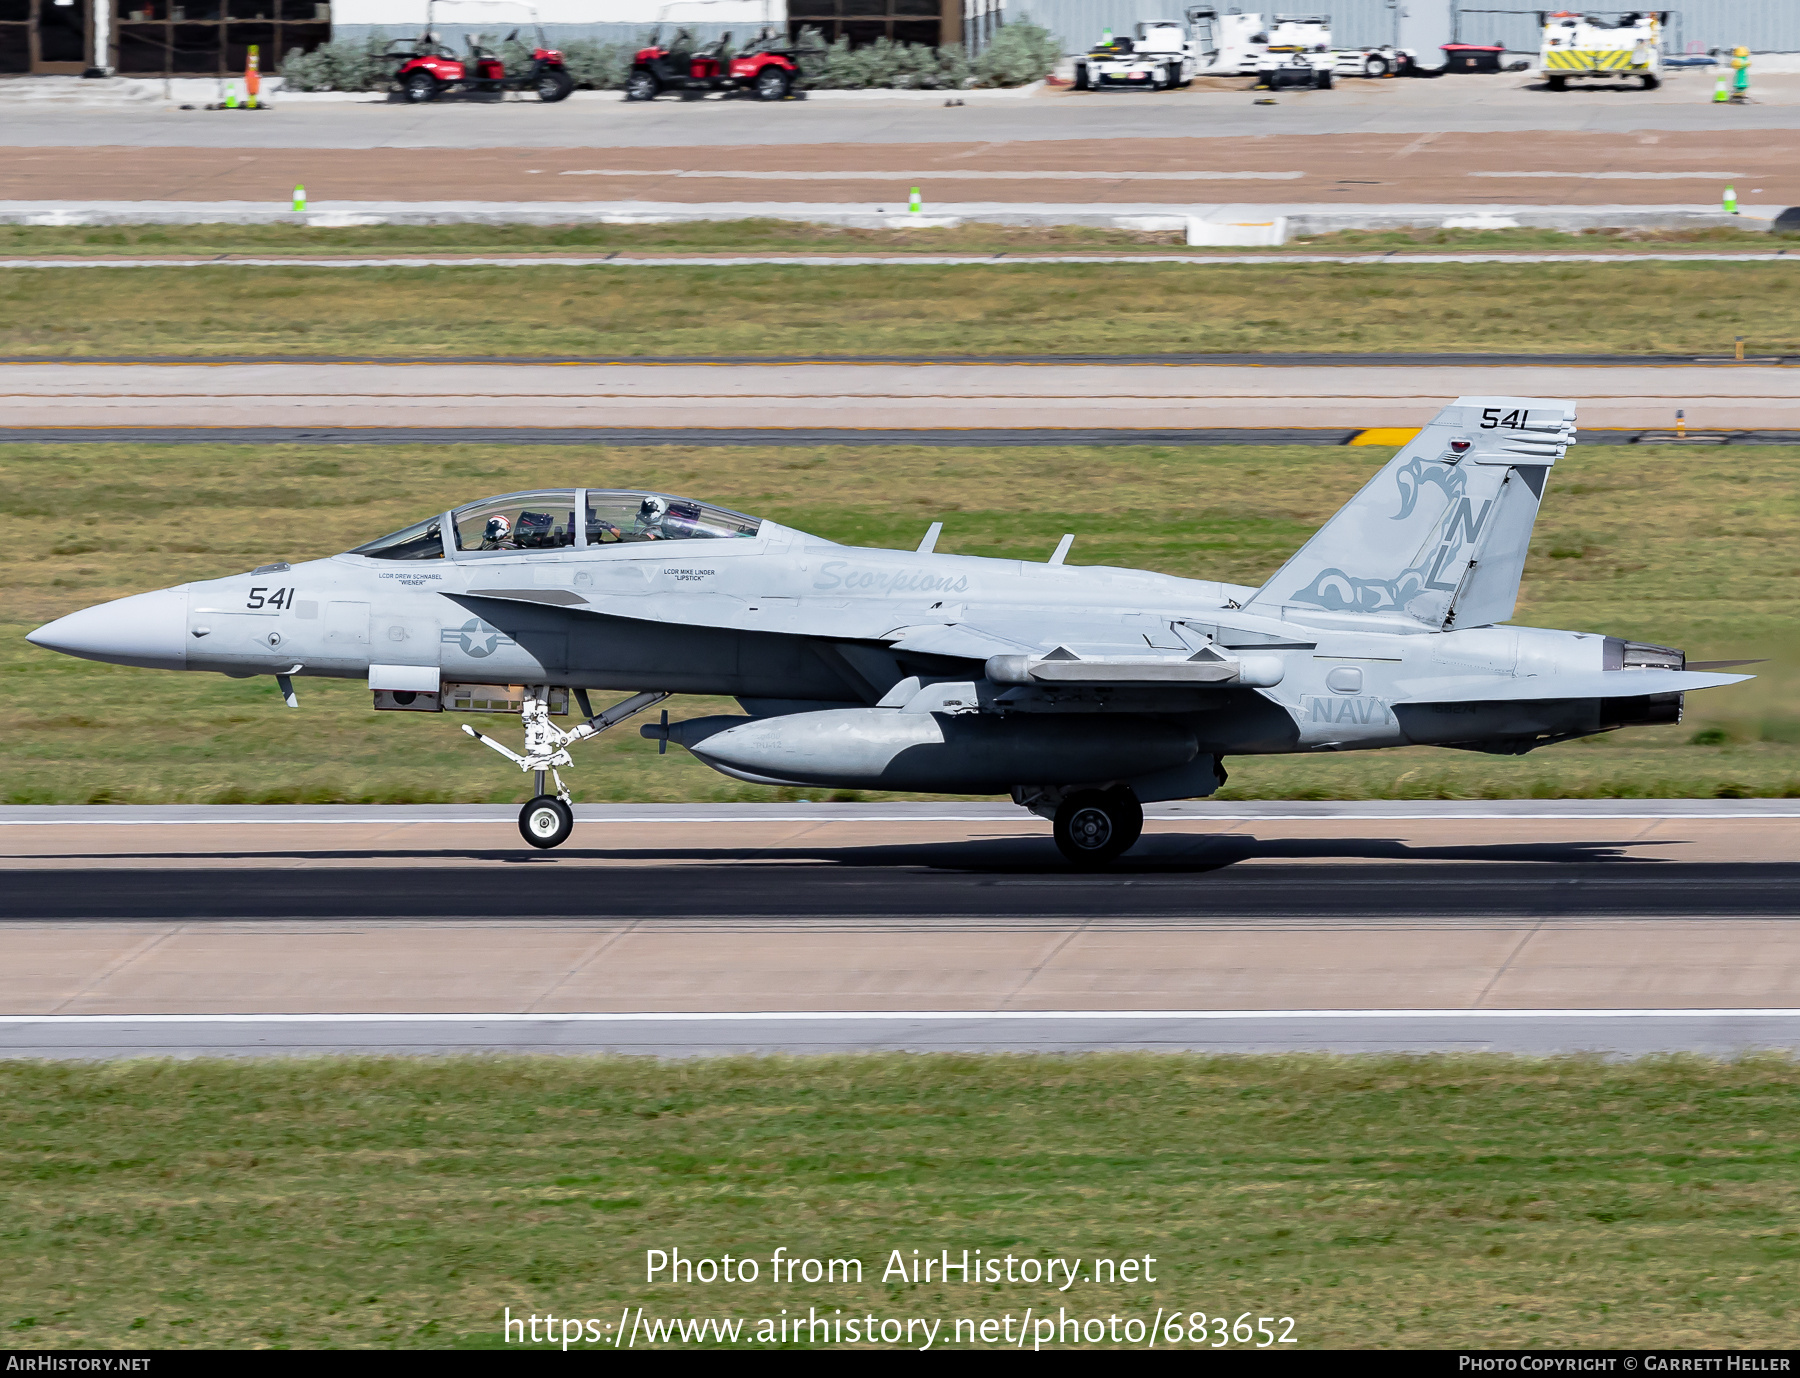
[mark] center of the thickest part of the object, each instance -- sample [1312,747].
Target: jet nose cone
[147,629]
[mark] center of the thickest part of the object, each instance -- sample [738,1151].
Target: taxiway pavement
[1452,141]
[923,396]
[1620,119]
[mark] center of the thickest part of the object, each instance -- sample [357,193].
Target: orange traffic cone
[252,77]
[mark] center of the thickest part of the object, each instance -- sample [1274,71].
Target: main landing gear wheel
[546,821]
[1094,828]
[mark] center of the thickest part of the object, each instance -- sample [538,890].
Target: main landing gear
[1095,827]
[548,819]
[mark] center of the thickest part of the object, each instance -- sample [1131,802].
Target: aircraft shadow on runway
[1155,853]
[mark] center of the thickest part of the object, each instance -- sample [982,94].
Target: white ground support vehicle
[1602,46]
[1280,50]
[1243,45]
[1158,57]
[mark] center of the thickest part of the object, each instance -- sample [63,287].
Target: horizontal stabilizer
[954,639]
[1723,664]
[1597,684]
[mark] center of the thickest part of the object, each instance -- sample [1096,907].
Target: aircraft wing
[1600,684]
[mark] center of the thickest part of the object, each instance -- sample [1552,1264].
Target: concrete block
[1267,232]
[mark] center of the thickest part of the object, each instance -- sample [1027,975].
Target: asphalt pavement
[959,883]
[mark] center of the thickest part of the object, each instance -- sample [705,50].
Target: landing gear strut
[1095,827]
[548,819]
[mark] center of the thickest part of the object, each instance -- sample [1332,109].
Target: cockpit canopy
[546,520]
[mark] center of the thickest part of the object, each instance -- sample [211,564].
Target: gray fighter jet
[1084,692]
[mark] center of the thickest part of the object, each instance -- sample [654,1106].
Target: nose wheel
[1096,827]
[546,821]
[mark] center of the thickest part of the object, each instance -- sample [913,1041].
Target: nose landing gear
[548,819]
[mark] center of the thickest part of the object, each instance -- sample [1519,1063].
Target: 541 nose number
[263,598]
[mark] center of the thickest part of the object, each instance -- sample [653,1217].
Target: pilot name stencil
[683,576]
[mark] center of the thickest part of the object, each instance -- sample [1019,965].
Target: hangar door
[47,37]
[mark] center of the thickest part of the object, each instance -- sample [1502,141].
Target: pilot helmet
[498,529]
[651,511]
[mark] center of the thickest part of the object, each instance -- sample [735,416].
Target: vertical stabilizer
[1440,534]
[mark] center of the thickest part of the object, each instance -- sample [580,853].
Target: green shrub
[347,65]
[1021,53]
[597,66]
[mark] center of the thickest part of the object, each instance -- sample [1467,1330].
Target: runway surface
[1535,927]
[926,396]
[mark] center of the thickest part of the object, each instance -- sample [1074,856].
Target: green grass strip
[930,310]
[1450,1201]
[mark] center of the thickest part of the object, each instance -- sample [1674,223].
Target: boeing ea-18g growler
[1083,691]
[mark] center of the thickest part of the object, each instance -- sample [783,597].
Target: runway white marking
[887,1016]
[948,175]
[1621,176]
